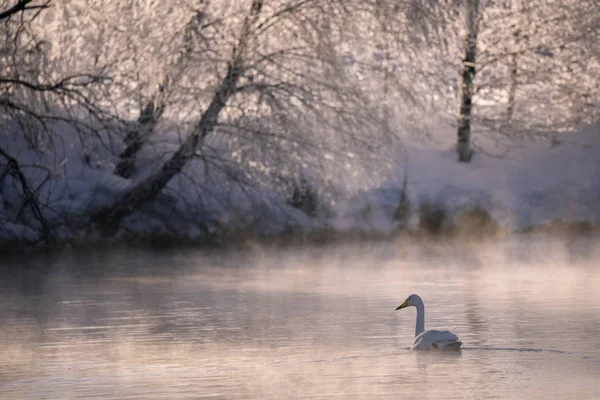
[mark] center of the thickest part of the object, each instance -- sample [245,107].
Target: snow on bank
[520,183]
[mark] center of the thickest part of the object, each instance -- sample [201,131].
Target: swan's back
[440,340]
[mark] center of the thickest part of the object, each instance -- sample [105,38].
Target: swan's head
[412,300]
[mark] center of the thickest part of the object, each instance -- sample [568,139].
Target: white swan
[431,339]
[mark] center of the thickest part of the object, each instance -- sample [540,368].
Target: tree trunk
[304,198]
[512,89]
[519,9]
[402,212]
[463,145]
[138,136]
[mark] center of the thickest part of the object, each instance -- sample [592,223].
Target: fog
[309,321]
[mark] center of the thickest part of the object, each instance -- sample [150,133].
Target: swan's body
[440,340]
[431,339]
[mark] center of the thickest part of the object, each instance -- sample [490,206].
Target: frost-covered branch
[29,196]
[23,5]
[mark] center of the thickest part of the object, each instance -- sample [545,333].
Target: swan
[431,339]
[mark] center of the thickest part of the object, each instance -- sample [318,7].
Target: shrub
[433,218]
[474,222]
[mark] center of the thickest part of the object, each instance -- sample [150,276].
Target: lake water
[316,323]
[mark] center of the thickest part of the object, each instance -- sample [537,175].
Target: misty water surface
[302,323]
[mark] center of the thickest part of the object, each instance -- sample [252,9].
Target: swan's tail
[450,345]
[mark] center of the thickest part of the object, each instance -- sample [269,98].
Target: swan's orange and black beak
[403,305]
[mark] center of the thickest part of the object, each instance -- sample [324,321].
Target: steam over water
[303,323]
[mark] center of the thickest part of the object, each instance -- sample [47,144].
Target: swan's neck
[420,328]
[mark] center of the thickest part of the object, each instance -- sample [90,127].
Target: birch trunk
[512,89]
[463,145]
[519,9]
[135,139]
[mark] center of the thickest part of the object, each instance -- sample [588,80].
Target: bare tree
[151,187]
[531,75]
[32,102]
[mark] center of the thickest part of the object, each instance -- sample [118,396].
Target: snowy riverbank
[520,184]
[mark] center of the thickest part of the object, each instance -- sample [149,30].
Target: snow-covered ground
[520,183]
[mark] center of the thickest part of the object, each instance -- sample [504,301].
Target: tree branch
[28,194]
[22,6]
[65,83]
